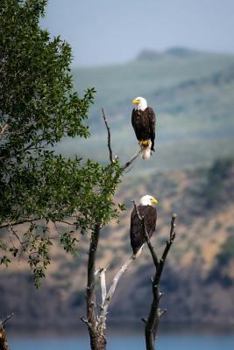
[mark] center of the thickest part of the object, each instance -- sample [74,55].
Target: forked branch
[152,323]
[96,317]
[109,295]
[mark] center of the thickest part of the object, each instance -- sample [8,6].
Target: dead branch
[96,320]
[129,162]
[3,323]
[152,323]
[109,295]
[108,136]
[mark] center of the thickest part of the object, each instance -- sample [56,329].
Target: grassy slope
[193,97]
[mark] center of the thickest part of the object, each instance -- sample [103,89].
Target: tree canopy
[38,108]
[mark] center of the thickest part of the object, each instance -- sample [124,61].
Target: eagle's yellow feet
[144,143]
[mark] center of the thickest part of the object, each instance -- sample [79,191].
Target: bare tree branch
[152,323]
[3,323]
[129,162]
[111,291]
[108,136]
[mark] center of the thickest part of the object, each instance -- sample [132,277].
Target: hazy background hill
[191,173]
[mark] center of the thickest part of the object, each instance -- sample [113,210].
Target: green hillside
[192,93]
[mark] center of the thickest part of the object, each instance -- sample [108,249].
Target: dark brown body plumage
[143,123]
[136,231]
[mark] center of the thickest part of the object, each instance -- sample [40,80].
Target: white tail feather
[146,153]
[146,149]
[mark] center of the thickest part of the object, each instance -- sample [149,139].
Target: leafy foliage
[38,108]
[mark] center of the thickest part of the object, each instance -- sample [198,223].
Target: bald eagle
[146,209]
[143,122]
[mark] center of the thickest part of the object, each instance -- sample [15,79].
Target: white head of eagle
[148,200]
[146,209]
[140,103]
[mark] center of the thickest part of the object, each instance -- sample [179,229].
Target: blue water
[128,342]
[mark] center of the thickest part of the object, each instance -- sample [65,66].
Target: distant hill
[192,93]
[176,51]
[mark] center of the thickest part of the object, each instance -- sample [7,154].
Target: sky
[110,31]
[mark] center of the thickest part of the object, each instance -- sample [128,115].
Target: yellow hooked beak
[154,200]
[135,102]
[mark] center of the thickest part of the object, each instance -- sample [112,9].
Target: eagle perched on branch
[143,122]
[147,210]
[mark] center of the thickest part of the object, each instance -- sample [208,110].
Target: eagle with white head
[146,209]
[143,122]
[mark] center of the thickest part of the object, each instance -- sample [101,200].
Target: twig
[129,162]
[172,236]
[15,234]
[85,321]
[108,136]
[7,319]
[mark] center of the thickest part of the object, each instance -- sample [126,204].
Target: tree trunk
[97,336]
[152,323]
[97,341]
[149,340]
